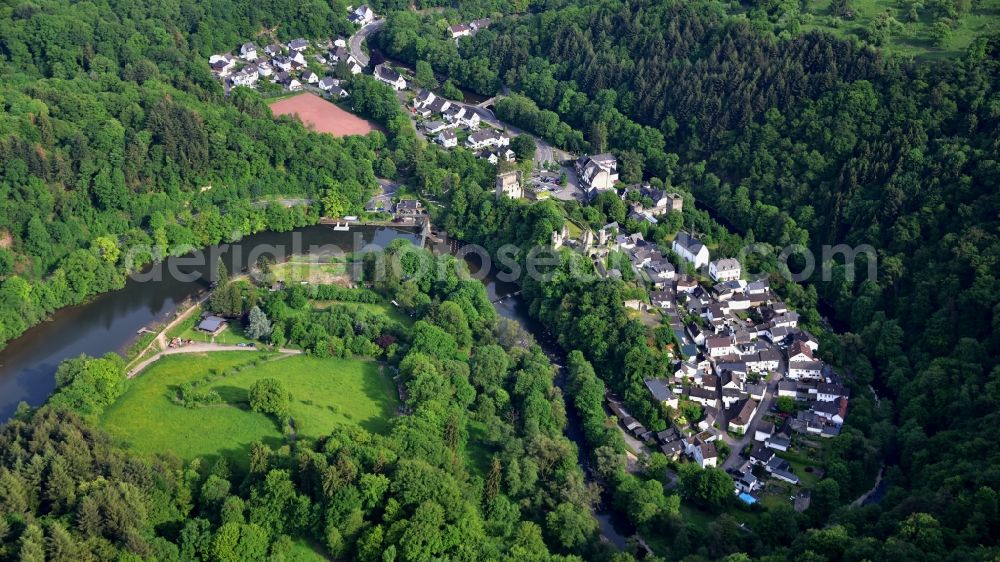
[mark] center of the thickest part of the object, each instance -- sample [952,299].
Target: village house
[806,339]
[222,64]
[741,415]
[726,269]
[328,83]
[409,208]
[755,390]
[483,23]
[273,50]
[720,346]
[282,63]
[212,325]
[685,283]
[788,388]
[806,370]
[294,85]
[597,173]
[439,105]
[362,15]
[264,69]
[298,45]
[423,98]
[662,299]
[780,469]
[660,271]
[459,30]
[672,449]
[486,138]
[760,455]
[662,202]
[709,417]
[702,452]
[433,127]
[765,360]
[248,52]
[763,432]
[778,443]
[471,120]
[661,392]
[385,73]
[509,185]
[829,392]
[246,77]
[691,249]
[310,77]
[746,482]
[703,396]
[447,139]
[835,411]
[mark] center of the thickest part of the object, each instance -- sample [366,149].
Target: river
[110,322]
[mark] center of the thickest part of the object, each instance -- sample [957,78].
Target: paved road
[544,151]
[354,43]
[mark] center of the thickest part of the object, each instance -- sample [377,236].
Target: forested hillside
[114,134]
[478,469]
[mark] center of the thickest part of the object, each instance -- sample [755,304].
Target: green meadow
[913,38]
[325,392]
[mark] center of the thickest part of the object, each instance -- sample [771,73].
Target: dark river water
[111,322]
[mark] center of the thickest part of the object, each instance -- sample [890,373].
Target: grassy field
[477,453]
[379,307]
[297,270]
[911,38]
[325,392]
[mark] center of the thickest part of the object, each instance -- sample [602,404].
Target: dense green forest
[114,134]
[68,493]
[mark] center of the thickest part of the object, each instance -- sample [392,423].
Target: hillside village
[740,352]
[294,65]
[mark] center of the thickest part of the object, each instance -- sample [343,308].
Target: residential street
[770,394]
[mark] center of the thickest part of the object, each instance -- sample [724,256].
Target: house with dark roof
[691,249]
[761,455]
[385,73]
[248,52]
[741,414]
[212,325]
[763,431]
[298,45]
[598,172]
[661,392]
[702,452]
[726,269]
[703,396]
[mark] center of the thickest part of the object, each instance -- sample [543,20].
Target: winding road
[354,43]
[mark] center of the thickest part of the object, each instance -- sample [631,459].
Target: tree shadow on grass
[380,392]
[234,396]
